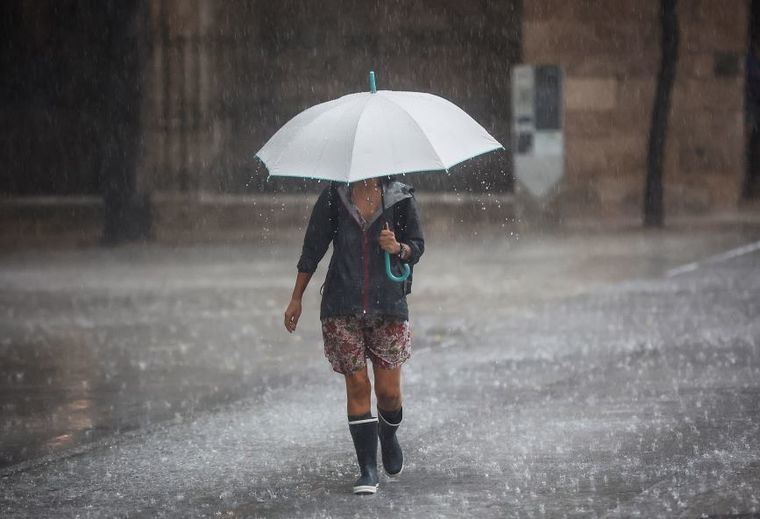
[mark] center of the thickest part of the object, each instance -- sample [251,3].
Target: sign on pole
[537,119]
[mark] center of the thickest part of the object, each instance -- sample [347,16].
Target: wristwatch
[400,251]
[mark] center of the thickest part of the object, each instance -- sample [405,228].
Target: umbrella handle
[391,275]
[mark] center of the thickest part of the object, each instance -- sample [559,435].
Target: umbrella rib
[422,132]
[274,161]
[353,144]
[328,137]
[294,138]
[300,131]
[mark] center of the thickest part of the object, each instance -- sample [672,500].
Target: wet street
[606,374]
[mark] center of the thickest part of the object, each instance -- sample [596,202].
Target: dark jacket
[356,281]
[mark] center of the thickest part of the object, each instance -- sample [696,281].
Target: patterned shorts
[350,340]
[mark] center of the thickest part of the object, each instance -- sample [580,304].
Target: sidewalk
[60,222]
[128,313]
[204,218]
[552,373]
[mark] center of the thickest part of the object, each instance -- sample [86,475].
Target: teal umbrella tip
[372,84]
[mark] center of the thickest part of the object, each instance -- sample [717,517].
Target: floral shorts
[350,340]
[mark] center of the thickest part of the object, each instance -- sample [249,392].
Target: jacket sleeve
[319,233]
[410,230]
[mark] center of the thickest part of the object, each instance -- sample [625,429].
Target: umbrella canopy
[373,134]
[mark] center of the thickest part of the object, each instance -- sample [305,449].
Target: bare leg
[388,388]
[358,393]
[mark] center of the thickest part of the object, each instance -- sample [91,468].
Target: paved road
[556,375]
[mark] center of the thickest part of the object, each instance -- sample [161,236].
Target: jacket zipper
[365,264]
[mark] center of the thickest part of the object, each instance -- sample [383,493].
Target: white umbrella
[373,134]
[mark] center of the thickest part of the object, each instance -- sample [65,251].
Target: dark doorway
[69,95]
[751,188]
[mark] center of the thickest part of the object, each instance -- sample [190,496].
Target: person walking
[364,313]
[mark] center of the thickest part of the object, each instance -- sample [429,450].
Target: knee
[358,386]
[388,398]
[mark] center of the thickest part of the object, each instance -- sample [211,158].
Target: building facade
[610,52]
[219,78]
[223,77]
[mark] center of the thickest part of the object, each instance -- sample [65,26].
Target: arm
[319,234]
[293,312]
[410,231]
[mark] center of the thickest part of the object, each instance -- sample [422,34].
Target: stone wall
[181,97]
[177,218]
[224,76]
[610,53]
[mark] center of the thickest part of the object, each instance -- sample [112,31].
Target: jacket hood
[393,192]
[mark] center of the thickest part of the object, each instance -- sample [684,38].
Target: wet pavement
[552,375]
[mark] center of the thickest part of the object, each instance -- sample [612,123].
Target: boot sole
[365,489]
[397,474]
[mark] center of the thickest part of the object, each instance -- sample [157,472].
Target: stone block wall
[179,115]
[610,52]
[224,76]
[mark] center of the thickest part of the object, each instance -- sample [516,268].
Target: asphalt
[583,374]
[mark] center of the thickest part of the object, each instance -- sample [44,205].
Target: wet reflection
[48,403]
[98,342]
[93,344]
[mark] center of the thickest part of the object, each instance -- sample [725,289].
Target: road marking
[723,256]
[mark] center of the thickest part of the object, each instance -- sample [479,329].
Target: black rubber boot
[364,434]
[393,458]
